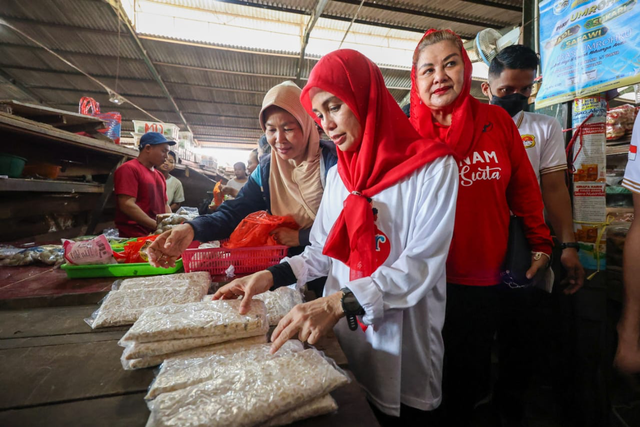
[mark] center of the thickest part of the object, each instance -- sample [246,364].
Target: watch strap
[572,245]
[350,313]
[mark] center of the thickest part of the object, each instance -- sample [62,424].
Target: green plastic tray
[117,270]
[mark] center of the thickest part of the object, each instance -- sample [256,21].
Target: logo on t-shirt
[480,166]
[633,150]
[383,247]
[529,141]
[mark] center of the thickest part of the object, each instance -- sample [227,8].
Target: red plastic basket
[245,260]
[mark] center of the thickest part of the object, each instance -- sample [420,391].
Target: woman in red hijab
[381,235]
[495,178]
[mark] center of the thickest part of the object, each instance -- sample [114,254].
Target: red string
[578,133]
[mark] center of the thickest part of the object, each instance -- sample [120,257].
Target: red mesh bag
[254,230]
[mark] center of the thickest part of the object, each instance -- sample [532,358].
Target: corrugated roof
[219,89]
[81,13]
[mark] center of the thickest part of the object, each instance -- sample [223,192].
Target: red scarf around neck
[469,117]
[390,151]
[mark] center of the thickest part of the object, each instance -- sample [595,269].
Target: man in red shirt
[141,189]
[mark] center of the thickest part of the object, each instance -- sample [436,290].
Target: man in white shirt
[234,185]
[628,354]
[175,192]
[511,76]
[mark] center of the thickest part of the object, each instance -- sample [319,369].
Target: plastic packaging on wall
[246,394]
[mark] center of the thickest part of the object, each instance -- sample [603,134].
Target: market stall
[56,372]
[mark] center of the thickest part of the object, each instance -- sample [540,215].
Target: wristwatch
[351,308]
[572,245]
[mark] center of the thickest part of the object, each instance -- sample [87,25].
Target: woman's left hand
[286,236]
[310,321]
[538,268]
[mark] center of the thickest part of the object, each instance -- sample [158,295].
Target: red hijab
[469,115]
[390,151]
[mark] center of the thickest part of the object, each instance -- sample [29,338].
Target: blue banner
[587,47]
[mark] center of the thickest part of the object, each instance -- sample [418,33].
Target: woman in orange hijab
[495,178]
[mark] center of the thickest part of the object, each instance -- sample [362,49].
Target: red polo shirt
[149,189]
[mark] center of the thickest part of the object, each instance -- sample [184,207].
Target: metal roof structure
[212,89]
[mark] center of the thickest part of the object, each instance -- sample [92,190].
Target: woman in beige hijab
[288,182]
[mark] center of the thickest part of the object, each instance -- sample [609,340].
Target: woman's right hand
[247,287]
[168,247]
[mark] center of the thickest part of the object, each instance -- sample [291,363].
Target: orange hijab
[296,190]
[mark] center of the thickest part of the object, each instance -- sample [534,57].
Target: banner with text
[587,47]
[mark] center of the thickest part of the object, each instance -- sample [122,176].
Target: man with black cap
[141,189]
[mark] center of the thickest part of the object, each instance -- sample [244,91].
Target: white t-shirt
[235,184]
[399,357]
[542,138]
[175,192]
[631,179]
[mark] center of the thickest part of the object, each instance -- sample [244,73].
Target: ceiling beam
[75,28]
[320,5]
[217,47]
[229,145]
[498,5]
[390,25]
[475,21]
[118,12]
[213,70]
[125,109]
[135,79]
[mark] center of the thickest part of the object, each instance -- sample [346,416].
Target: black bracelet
[572,245]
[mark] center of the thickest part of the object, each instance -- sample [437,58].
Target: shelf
[617,150]
[43,132]
[49,186]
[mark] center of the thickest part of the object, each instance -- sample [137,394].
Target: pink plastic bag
[94,251]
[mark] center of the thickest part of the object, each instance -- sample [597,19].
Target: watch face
[350,305]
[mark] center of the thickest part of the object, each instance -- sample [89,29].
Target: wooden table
[56,371]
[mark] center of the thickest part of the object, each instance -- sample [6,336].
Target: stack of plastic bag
[244,388]
[129,298]
[161,332]
[278,302]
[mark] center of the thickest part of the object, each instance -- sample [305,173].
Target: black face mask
[513,103]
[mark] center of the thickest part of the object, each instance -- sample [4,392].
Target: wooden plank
[45,321]
[16,184]
[118,411]
[44,284]
[39,131]
[55,203]
[91,336]
[68,118]
[44,375]
[131,410]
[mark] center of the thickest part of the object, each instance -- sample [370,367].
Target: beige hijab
[296,190]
